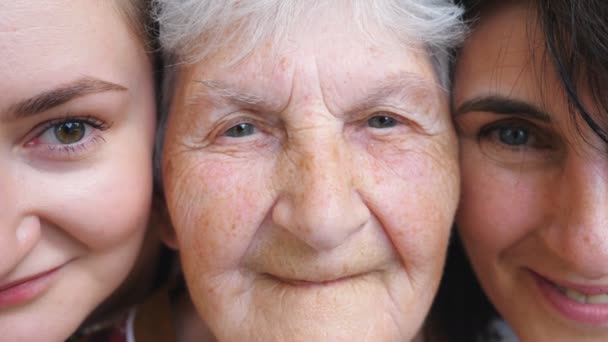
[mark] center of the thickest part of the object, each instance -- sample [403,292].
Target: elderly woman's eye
[240,130]
[381,121]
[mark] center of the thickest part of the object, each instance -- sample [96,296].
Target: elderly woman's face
[312,190]
[533,212]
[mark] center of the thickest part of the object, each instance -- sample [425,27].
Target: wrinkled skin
[312,187]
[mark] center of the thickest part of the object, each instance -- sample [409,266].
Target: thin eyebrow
[502,105]
[407,84]
[230,93]
[410,84]
[62,94]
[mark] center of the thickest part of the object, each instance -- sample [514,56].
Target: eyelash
[68,151]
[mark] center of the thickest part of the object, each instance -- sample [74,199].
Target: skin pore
[532,213]
[77,123]
[312,199]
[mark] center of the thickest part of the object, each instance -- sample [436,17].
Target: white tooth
[575,295]
[598,299]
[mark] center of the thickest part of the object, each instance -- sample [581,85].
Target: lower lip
[27,290]
[588,314]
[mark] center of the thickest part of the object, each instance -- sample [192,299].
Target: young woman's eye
[514,136]
[381,121]
[240,130]
[517,142]
[67,138]
[65,133]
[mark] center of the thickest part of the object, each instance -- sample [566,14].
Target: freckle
[284,63]
[233,227]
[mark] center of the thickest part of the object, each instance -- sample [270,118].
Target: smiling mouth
[25,289]
[582,297]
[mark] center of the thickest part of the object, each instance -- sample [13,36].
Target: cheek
[103,206]
[216,205]
[415,197]
[498,207]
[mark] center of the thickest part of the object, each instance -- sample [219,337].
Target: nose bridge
[320,203]
[323,168]
[584,215]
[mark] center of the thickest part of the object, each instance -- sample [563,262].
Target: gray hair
[192,30]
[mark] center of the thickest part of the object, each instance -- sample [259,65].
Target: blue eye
[381,121]
[240,130]
[514,136]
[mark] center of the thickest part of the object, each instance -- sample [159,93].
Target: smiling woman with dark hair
[532,116]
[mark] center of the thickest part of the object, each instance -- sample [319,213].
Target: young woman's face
[533,216]
[76,135]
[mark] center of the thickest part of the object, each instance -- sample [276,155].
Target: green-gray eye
[240,130]
[381,121]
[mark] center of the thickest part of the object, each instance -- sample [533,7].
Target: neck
[188,325]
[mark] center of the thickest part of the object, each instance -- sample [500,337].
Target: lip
[312,283]
[28,288]
[584,313]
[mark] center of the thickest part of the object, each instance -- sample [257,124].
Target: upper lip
[583,288]
[24,280]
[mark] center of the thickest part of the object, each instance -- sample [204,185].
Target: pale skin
[533,210]
[312,188]
[77,123]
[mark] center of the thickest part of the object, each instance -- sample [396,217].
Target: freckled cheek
[217,207]
[498,207]
[417,196]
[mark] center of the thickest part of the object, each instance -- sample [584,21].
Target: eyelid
[94,122]
[540,134]
[401,119]
[65,152]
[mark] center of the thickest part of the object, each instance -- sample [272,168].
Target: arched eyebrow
[502,105]
[60,95]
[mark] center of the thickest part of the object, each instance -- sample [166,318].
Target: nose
[581,234]
[319,202]
[18,233]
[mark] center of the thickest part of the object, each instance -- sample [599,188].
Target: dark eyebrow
[503,106]
[60,95]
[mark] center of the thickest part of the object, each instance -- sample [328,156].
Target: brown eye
[69,132]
